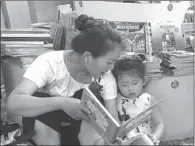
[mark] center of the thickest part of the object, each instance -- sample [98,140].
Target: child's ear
[145,79]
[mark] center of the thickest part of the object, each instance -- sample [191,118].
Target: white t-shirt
[129,108]
[50,74]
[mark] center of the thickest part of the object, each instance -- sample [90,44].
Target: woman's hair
[94,37]
[128,65]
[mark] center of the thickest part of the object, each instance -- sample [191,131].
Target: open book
[105,124]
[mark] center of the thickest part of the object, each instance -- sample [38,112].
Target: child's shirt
[129,108]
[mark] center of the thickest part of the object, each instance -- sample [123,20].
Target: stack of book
[43,25]
[153,66]
[63,9]
[29,34]
[177,63]
[67,20]
[25,44]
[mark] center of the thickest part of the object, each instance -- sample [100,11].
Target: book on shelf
[22,42]
[40,35]
[25,51]
[43,25]
[27,38]
[25,30]
[13,46]
[25,35]
[23,46]
[103,122]
[59,36]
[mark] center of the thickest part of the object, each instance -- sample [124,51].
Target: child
[130,74]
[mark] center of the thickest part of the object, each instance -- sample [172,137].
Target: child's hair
[128,65]
[94,37]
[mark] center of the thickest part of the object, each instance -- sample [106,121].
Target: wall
[46,10]
[133,12]
[18,12]
[177,105]
[2,20]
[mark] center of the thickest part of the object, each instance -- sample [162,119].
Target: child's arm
[156,121]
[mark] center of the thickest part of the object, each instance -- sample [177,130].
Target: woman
[61,74]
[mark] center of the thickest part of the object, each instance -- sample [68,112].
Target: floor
[185,141]
[7,117]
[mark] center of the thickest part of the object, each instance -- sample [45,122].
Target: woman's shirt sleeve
[39,71]
[109,84]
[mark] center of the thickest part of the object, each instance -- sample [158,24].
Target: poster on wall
[132,33]
[166,36]
[188,34]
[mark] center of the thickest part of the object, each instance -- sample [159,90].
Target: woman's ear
[145,80]
[87,57]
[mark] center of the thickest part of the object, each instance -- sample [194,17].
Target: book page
[100,119]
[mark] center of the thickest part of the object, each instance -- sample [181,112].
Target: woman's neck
[77,68]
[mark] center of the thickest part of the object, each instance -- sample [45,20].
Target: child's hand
[101,141]
[153,138]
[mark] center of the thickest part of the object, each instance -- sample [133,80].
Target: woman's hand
[74,109]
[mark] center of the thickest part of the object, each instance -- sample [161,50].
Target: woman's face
[98,66]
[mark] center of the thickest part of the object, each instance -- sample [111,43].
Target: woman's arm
[22,103]
[157,122]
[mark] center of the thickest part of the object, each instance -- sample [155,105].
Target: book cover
[101,119]
[104,123]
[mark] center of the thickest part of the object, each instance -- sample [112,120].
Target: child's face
[130,85]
